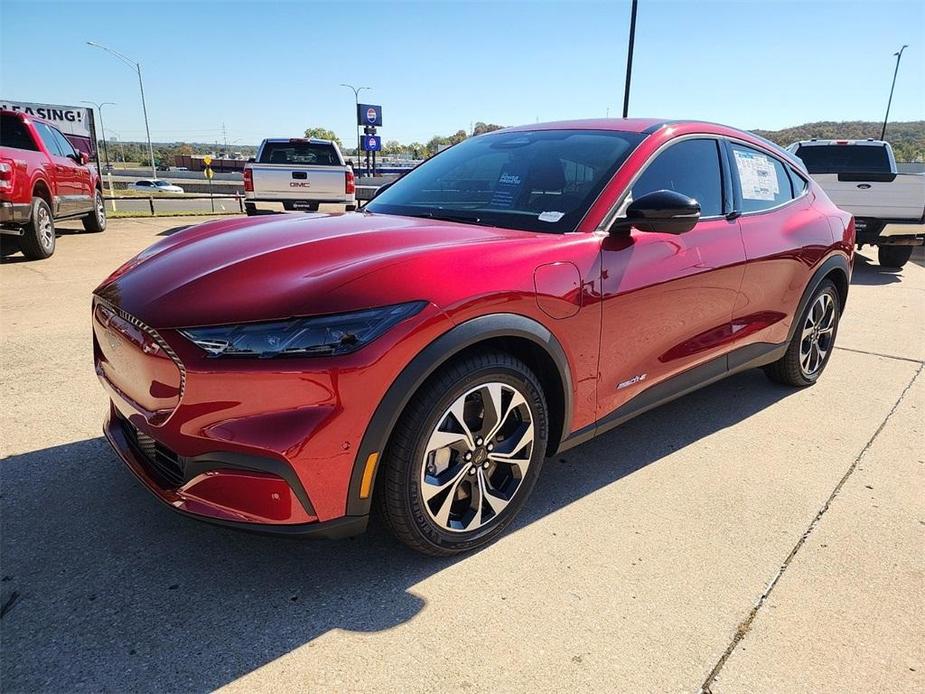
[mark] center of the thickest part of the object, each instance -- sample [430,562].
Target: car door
[65,179]
[668,299]
[785,238]
[83,183]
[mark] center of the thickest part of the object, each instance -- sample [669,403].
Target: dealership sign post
[370,116]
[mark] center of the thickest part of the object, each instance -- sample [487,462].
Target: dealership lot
[636,565]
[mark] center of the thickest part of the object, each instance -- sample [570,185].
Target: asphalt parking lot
[746,538]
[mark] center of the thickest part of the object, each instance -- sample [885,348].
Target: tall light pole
[99,109]
[899,56]
[144,106]
[629,62]
[356,98]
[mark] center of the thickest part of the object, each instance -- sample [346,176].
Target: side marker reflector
[367,481]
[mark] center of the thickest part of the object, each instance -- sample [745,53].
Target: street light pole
[99,108]
[356,99]
[899,56]
[629,62]
[144,106]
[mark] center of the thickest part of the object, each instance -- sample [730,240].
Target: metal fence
[165,204]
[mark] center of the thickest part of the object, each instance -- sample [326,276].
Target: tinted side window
[798,182]
[13,133]
[63,144]
[764,181]
[690,167]
[48,138]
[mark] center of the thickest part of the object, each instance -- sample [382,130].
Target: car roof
[651,126]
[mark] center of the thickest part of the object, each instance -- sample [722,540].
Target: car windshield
[541,180]
[844,158]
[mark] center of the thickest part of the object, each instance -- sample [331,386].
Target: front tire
[38,239]
[464,455]
[95,222]
[813,341]
[893,256]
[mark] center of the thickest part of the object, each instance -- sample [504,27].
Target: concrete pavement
[748,537]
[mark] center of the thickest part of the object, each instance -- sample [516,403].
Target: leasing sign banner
[74,121]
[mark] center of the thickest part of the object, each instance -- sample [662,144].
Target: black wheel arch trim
[428,360]
[833,262]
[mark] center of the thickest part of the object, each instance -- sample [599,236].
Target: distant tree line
[907,138]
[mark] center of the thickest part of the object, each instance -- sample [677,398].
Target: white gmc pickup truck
[297,174]
[860,177]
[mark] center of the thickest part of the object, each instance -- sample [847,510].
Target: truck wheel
[95,222]
[894,256]
[250,209]
[38,239]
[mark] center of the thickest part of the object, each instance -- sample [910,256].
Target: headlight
[340,333]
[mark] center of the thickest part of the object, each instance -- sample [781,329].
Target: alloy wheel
[46,230]
[477,457]
[818,334]
[100,209]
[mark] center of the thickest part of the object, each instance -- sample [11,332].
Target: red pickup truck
[42,179]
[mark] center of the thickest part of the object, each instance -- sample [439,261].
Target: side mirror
[80,158]
[661,211]
[381,189]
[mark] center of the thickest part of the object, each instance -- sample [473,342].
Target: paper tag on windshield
[551,216]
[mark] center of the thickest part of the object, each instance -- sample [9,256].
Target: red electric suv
[512,297]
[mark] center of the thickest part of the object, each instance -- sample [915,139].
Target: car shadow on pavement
[105,589]
[868,272]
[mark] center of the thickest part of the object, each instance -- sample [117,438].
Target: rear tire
[250,209]
[893,256]
[449,485]
[38,239]
[95,222]
[813,340]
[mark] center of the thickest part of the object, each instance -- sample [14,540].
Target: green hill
[907,138]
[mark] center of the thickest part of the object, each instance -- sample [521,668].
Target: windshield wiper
[451,217]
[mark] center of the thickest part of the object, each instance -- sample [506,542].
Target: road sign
[369,114]
[372,143]
[207,160]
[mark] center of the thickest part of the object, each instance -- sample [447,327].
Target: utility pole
[899,56]
[99,109]
[356,99]
[141,85]
[629,62]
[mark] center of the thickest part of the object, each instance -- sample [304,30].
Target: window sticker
[551,216]
[757,175]
[510,182]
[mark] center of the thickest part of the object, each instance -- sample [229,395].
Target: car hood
[280,266]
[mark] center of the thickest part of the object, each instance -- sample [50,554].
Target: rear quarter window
[299,154]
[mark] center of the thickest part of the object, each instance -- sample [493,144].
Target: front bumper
[263,441]
[237,491]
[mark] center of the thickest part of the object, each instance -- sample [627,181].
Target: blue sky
[273,69]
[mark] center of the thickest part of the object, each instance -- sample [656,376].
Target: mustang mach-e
[514,296]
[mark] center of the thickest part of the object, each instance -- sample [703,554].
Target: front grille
[161,462]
